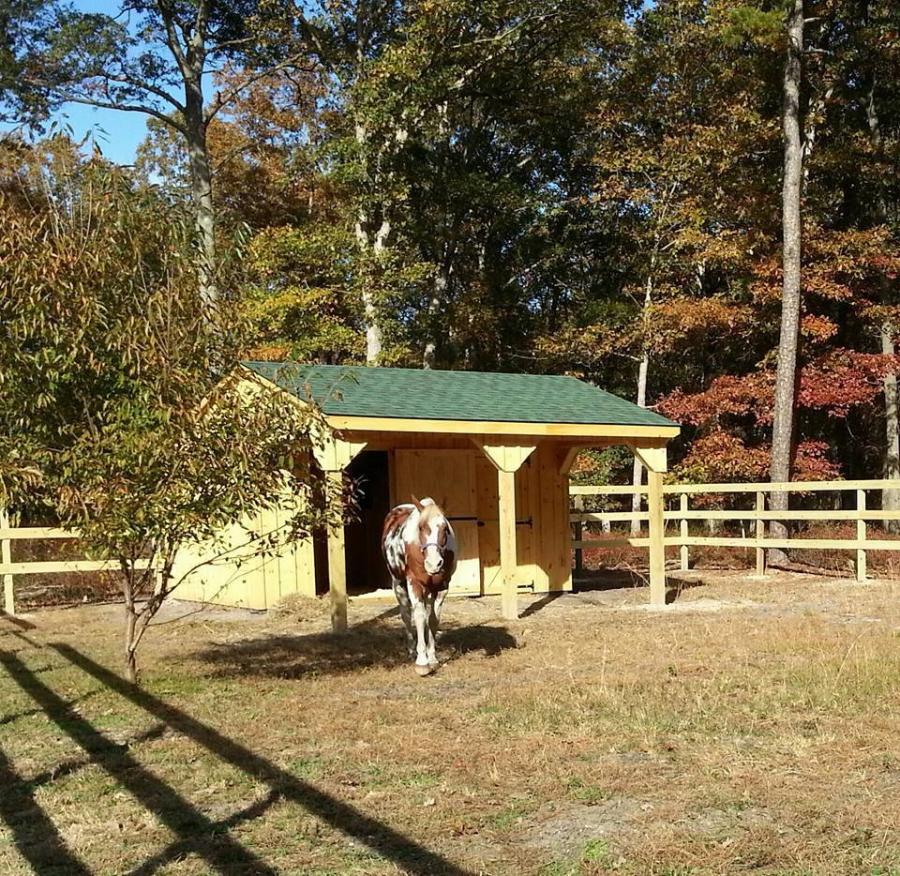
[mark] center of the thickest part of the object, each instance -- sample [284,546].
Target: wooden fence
[9,569]
[757,515]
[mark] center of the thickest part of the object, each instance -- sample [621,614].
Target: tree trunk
[890,499]
[130,634]
[201,188]
[438,299]
[638,470]
[637,474]
[786,374]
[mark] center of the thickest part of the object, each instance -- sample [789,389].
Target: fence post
[579,559]
[760,533]
[860,536]
[9,599]
[685,564]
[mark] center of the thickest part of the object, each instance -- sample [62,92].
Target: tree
[785,379]
[150,57]
[113,412]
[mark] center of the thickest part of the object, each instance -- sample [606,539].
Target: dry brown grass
[752,727]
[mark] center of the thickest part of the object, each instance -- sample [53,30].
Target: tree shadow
[327,654]
[407,854]
[33,832]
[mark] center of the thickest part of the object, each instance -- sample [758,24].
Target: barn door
[448,477]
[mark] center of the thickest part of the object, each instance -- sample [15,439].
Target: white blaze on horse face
[434,561]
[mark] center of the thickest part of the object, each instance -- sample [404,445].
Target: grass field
[751,727]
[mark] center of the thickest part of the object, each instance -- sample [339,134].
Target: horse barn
[494,449]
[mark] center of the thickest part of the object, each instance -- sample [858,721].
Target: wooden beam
[9,598]
[506,482]
[657,538]
[567,457]
[652,456]
[337,560]
[505,456]
[485,427]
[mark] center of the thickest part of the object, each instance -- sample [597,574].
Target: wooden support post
[334,455]
[506,481]
[9,598]
[508,459]
[685,559]
[654,459]
[337,560]
[861,536]
[656,532]
[760,533]
[579,532]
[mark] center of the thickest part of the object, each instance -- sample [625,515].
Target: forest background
[592,188]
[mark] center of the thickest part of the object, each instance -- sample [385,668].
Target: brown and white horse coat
[420,551]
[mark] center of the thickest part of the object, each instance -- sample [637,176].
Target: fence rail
[758,515]
[9,570]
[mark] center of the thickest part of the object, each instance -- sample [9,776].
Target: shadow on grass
[221,852]
[403,851]
[33,833]
[369,644]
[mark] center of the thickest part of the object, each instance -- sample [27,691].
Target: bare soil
[752,726]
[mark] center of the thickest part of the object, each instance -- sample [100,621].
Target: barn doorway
[366,570]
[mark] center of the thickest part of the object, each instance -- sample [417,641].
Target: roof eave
[344,423]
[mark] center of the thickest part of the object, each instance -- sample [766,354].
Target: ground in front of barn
[753,726]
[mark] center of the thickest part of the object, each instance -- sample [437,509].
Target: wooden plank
[485,427]
[693,489]
[9,597]
[602,543]
[52,566]
[506,487]
[35,533]
[818,514]
[801,543]
[760,532]
[611,490]
[685,560]
[657,538]
[792,487]
[749,514]
[860,535]
[611,516]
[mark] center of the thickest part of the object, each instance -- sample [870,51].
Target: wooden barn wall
[243,580]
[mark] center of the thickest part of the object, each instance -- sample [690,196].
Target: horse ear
[444,504]
[418,504]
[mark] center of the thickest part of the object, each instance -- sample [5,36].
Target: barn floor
[751,727]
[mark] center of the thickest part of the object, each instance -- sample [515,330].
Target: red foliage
[835,383]
[721,456]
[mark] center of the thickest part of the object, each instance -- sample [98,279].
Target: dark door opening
[366,570]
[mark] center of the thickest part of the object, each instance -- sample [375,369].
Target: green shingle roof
[359,391]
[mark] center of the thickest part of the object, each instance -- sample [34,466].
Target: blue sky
[117,134]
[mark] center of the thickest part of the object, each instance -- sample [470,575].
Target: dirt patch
[565,831]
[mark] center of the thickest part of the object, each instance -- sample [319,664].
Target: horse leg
[405,615]
[434,623]
[420,618]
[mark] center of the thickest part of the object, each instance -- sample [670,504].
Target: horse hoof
[422,671]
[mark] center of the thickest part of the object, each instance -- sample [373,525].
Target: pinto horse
[420,551]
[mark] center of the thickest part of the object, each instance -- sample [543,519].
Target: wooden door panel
[448,477]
